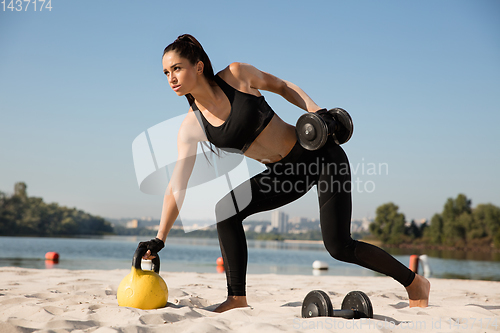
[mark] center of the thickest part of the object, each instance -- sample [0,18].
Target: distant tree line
[141,231]
[212,233]
[21,215]
[459,225]
[307,235]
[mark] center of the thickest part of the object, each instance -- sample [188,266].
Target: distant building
[269,229]
[365,224]
[360,225]
[297,220]
[421,221]
[258,228]
[133,224]
[297,231]
[279,220]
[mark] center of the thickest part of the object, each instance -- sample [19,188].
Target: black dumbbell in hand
[314,128]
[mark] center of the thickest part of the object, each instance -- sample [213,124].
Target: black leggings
[285,181]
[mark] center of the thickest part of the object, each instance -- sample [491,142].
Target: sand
[57,300]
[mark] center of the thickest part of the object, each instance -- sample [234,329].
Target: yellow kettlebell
[143,289]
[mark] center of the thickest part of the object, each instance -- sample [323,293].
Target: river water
[200,255]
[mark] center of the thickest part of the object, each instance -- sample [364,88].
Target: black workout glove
[154,245]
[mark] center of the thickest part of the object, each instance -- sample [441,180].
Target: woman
[228,110]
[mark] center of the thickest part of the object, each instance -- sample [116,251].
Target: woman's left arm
[264,81]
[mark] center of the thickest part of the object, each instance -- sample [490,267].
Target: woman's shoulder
[239,75]
[190,130]
[237,70]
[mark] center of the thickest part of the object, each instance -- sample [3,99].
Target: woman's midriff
[274,142]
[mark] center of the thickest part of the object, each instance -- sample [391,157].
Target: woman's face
[182,75]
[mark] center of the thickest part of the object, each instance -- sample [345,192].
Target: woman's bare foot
[232,302]
[418,292]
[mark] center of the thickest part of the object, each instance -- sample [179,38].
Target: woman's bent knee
[342,250]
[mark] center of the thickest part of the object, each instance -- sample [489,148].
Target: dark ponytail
[189,48]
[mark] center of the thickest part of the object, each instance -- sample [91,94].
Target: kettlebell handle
[136,261]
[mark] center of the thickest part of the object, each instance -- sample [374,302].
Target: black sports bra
[249,116]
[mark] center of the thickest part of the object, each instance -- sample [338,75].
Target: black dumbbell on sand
[355,305]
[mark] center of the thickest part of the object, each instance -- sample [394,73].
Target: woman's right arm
[187,140]
[264,81]
[176,190]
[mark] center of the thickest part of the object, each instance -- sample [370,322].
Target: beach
[59,300]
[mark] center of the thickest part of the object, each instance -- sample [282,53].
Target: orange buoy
[50,264]
[54,256]
[220,261]
[414,263]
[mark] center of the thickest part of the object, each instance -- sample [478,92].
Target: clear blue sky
[421,80]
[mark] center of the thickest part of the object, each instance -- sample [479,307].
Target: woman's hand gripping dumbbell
[314,128]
